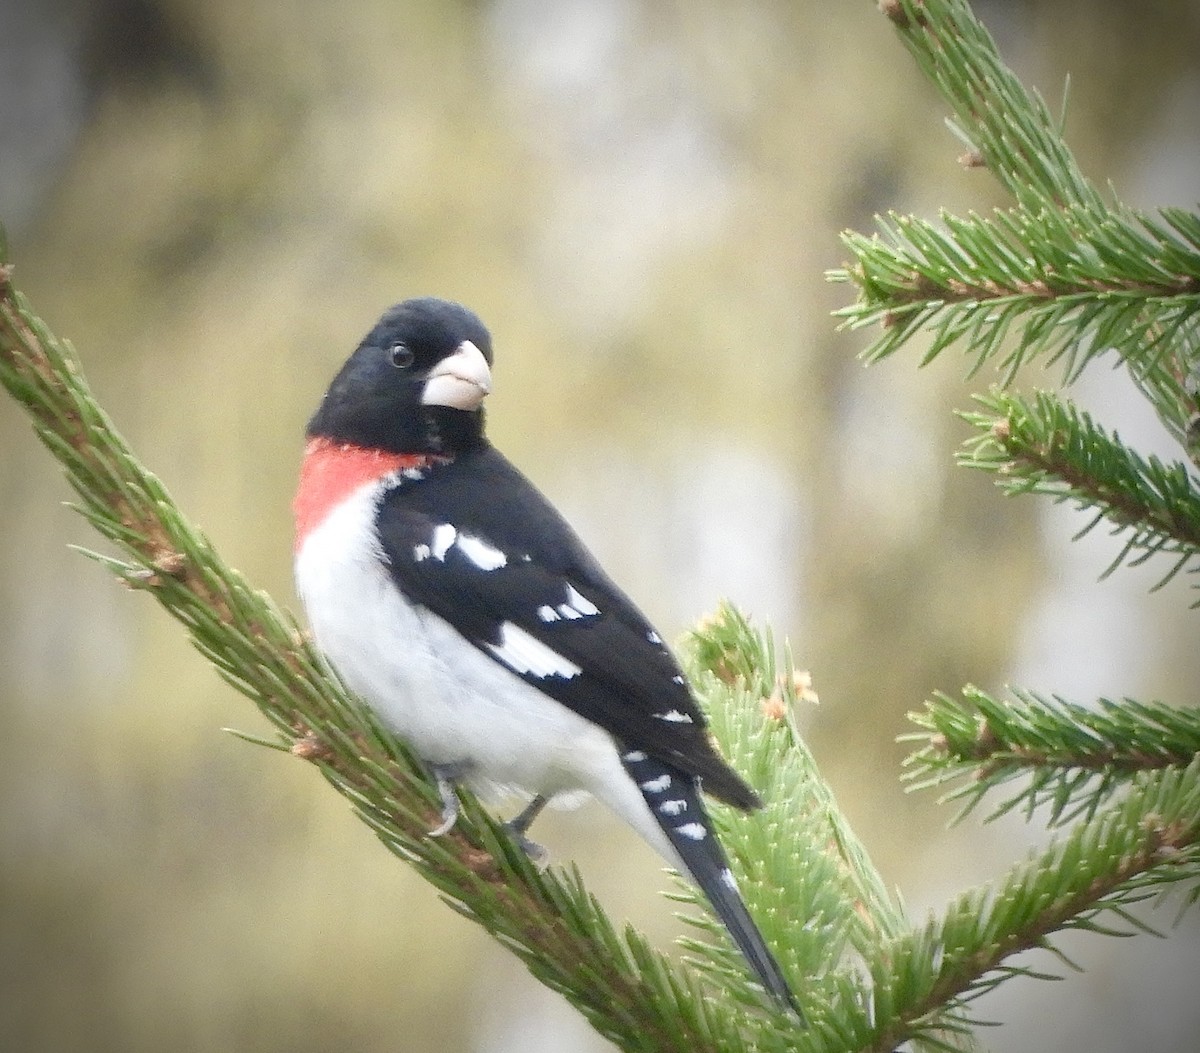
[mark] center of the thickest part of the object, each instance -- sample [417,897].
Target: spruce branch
[843,918]
[631,993]
[1062,285]
[1046,445]
[1087,880]
[1008,129]
[733,660]
[1074,757]
[1063,276]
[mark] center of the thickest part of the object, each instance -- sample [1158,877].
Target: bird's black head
[415,384]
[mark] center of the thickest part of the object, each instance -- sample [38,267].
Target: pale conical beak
[461,381]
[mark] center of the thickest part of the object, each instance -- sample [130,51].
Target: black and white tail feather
[675,800]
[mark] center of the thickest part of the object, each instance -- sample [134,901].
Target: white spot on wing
[525,654]
[443,537]
[547,613]
[673,716]
[580,602]
[653,637]
[479,552]
[656,785]
[673,807]
[695,831]
[729,881]
[678,679]
[633,756]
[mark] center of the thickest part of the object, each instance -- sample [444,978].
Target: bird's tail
[674,799]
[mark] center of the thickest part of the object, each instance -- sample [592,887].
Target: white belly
[435,690]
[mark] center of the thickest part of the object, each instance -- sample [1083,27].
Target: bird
[453,598]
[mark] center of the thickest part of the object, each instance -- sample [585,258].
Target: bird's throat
[332,471]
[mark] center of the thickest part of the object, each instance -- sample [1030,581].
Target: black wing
[478,545]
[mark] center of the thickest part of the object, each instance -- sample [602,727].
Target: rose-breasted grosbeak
[449,594]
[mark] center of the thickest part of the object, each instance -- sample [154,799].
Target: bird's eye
[401,355]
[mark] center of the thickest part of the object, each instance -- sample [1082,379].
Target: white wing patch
[479,552]
[695,831]
[663,782]
[446,537]
[576,605]
[525,654]
[443,537]
[580,604]
[673,716]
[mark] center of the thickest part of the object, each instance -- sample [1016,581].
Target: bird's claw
[444,776]
[538,855]
[519,825]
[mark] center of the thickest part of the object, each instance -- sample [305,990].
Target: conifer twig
[1048,446]
[1009,129]
[1148,841]
[1073,757]
[1064,275]
[1020,285]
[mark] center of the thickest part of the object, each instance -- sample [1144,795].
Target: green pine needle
[1063,286]
[1147,842]
[1064,276]
[1067,758]
[1046,445]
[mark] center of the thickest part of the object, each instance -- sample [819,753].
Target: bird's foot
[519,824]
[538,855]
[445,775]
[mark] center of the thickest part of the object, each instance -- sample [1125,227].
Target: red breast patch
[332,471]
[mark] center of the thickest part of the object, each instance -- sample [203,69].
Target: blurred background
[215,199]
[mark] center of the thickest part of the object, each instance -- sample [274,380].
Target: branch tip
[895,13]
[311,748]
[774,706]
[986,739]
